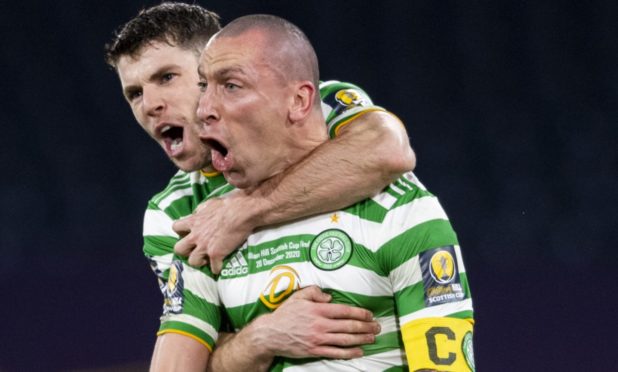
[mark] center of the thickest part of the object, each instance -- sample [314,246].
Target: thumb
[216,264]
[313,293]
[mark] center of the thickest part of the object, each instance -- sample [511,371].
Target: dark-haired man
[395,254]
[156,57]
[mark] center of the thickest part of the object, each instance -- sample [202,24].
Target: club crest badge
[331,249]
[468,350]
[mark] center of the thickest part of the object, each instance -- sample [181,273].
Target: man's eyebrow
[229,71]
[221,73]
[158,73]
[130,89]
[155,76]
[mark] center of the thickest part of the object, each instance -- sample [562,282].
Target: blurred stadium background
[511,107]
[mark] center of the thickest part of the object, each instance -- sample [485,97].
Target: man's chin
[237,180]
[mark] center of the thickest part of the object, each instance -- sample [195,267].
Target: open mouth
[217,146]
[220,156]
[172,136]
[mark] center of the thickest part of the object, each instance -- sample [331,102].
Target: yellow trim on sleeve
[351,118]
[186,334]
[439,344]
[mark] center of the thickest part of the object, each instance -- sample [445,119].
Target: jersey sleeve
[430,283]
[190,300]
[343,102]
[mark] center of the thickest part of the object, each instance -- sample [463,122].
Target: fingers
[198,259]
[198,256]
[352,327]
[183,226]
[341,311]
[184,246]
[187,248]
[348,340]
[342,345]
[337,352]
[312,293]
[310,326]
[326,309]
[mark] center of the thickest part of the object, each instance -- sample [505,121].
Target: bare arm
[175,352]
[305,325]
[367,155]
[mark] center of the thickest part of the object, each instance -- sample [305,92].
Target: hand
[217,228]
[307,325]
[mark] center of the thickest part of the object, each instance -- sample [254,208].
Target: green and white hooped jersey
[191,303]
[395,255]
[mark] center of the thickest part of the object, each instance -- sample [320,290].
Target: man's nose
[153,103]
[207,112]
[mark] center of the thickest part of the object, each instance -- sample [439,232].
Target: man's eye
[133,95]
[202,85]
[167,77]
[231,86]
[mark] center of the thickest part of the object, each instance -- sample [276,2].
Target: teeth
[176,144]
[166,128]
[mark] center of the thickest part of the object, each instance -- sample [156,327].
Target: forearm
[175,352]
[241,351]
[306,325]
[356,165]
[361,161]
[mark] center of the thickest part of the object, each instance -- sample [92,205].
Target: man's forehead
[158,48]
[232,52]
[154,56]
[250,40]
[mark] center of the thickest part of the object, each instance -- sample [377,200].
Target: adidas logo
[237,265]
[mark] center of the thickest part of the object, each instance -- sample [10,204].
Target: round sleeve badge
[442,267]
[468,350]
[173,297]
[331,249]
[348,97]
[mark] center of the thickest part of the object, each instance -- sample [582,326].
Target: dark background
[511,107]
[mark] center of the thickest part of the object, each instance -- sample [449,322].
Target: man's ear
[303,101]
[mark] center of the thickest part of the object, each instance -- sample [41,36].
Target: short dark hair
[184,25]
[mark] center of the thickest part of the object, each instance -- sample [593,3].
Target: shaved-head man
[395,254]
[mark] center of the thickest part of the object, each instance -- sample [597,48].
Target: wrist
[256,208]
[257,336]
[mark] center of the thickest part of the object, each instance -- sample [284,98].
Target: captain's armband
[439,344]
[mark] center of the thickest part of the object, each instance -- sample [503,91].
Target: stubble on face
[245,105]
[160,84]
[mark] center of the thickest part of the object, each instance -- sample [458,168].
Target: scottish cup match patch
[172,294]
[441,276]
